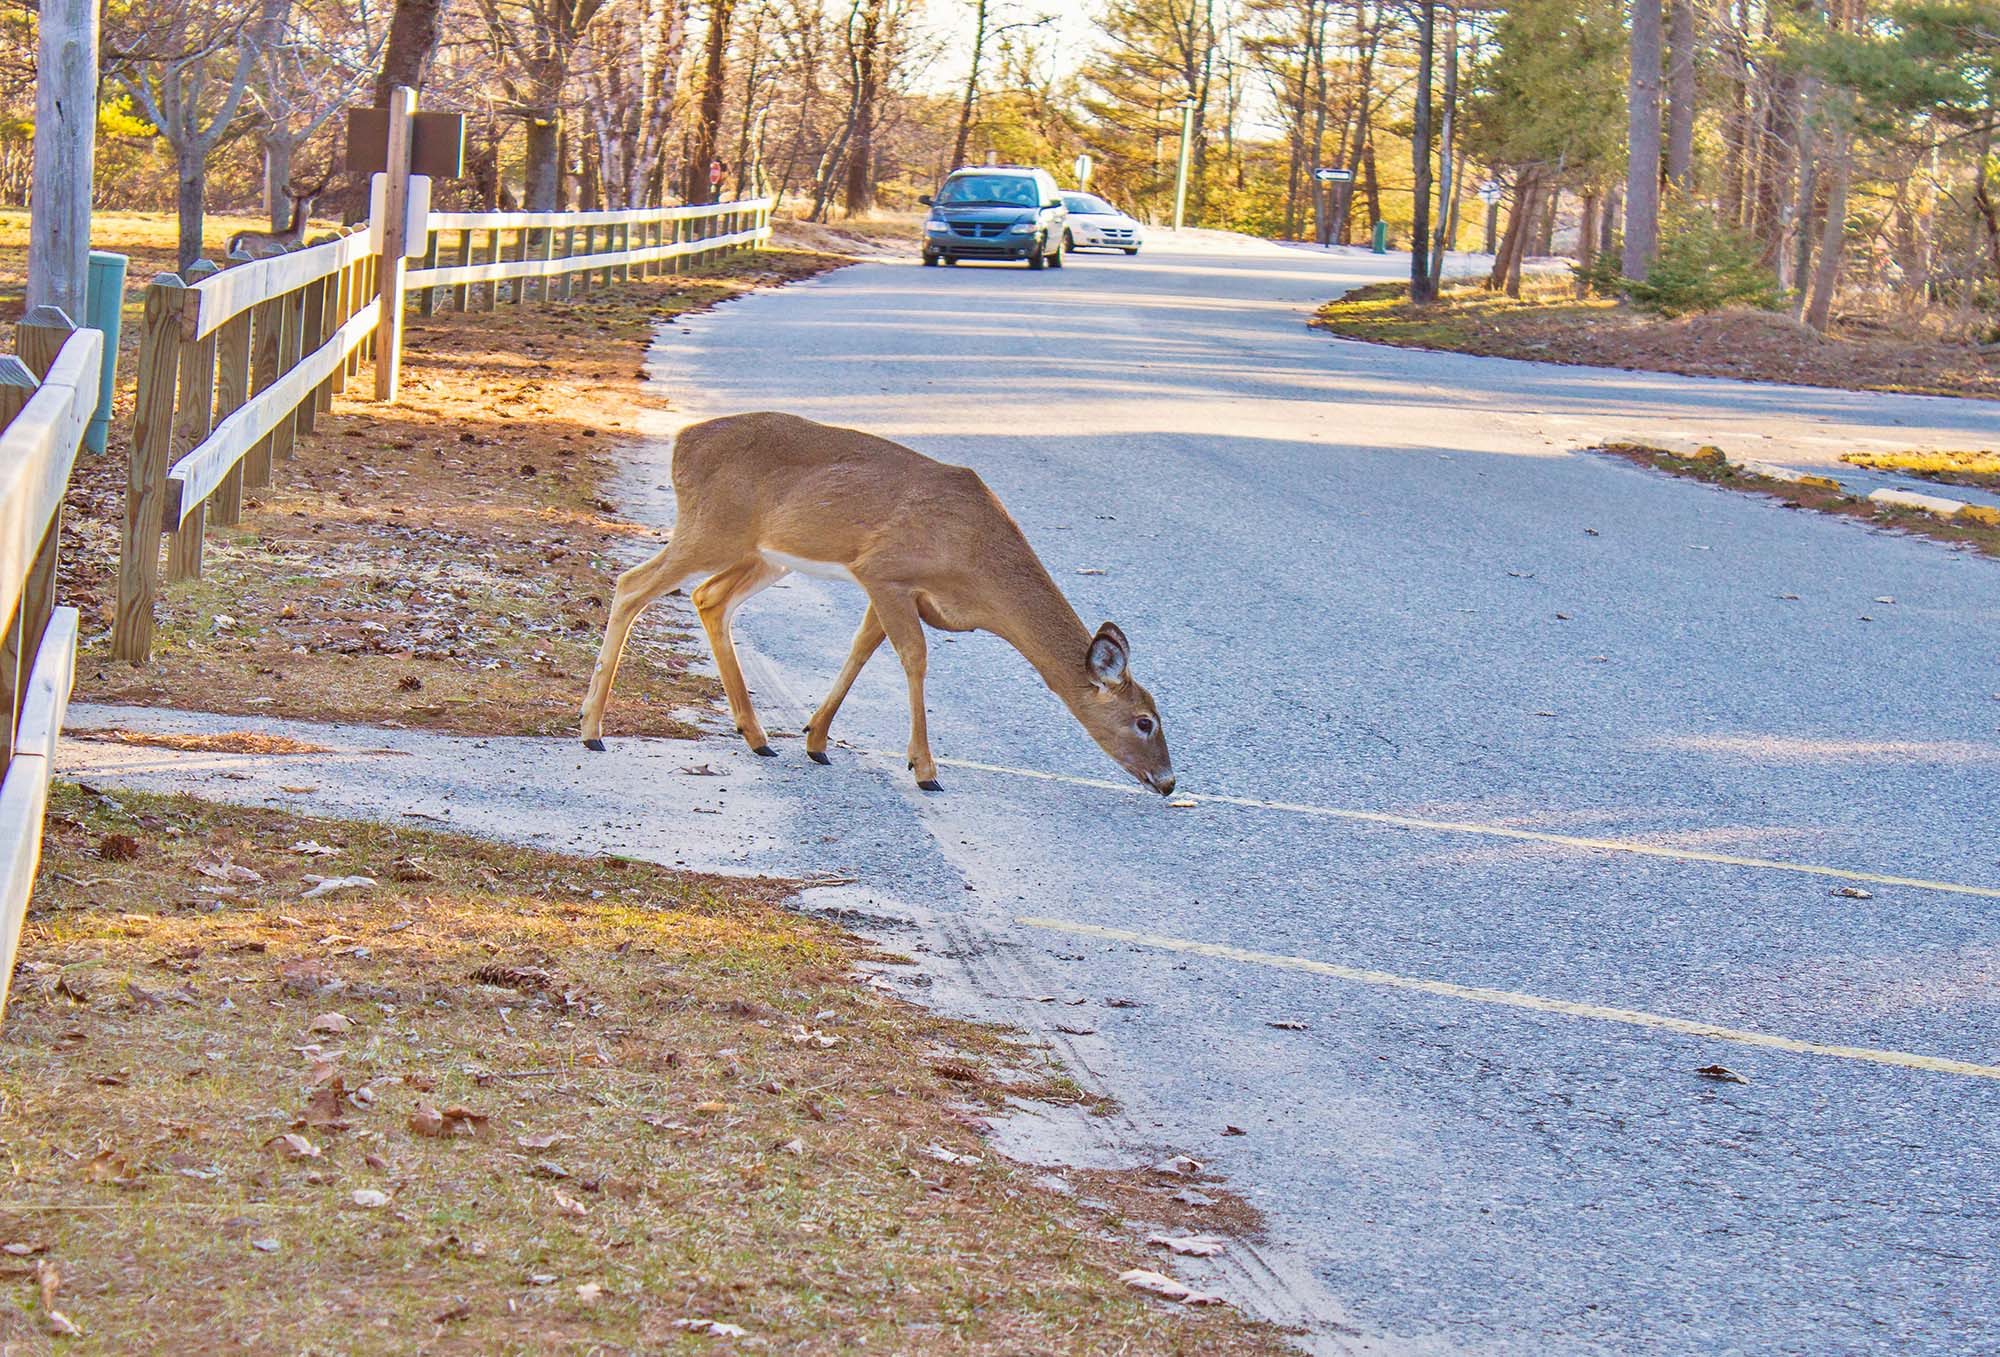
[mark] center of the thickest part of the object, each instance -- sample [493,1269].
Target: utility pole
[65,154]
[1187,145]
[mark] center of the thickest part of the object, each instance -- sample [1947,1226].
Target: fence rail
[47,395]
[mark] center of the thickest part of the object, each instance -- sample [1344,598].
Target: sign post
[1489,193]
[1332,188]
[1083,167]
[395,240]
[1187,144]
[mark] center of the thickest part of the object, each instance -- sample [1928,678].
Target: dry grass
[1549,324]
[1977,469]
[1979,528]
[593,1098]
[442,563]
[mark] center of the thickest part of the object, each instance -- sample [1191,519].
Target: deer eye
[1145,726]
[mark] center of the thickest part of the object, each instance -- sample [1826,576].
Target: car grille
[1116,232]
[979,230]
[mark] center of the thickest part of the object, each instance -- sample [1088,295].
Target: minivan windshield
[1088,205]
[999,190]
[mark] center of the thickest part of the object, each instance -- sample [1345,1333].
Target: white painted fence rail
[50,393]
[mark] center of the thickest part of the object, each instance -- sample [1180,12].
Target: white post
[1187,143]
[65,154]
[395,218]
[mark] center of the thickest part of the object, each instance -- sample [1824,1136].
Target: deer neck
[1033,616]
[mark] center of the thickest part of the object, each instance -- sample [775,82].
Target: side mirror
[924,198]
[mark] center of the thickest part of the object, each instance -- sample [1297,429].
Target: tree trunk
[414,29]
[1586,241]
[1447,162]
[971,89]
[1642,183]
[191,173]
[1421,289]
[1507,259]
[278,181]
[1681,96]
[701,146]
[1545,232]
[1736,125]
[1607,226]
[543,160]
[860,190]
[1833,236]
[64,156]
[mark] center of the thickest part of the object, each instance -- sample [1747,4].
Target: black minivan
[996,212]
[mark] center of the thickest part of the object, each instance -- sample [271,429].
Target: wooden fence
[47,397]
[236,364]
[568,251]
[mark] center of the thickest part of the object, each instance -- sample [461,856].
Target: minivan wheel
[930,260]
[1036,259]
[1056,260]
[1069,243]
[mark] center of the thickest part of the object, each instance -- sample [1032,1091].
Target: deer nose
[1161,783]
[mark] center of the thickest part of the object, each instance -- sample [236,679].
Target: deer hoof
[595,746]
[764,751]
[931,785]
[817,757]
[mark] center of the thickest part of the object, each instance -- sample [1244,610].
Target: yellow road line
[1376,817]
[1508,998]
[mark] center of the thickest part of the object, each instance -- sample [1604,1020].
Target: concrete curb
[1938,506]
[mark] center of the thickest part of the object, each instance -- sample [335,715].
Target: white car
[1096,224]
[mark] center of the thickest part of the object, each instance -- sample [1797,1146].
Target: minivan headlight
[1028,225]
[937,224]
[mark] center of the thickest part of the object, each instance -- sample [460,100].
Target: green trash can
[1381,237]
[103,306]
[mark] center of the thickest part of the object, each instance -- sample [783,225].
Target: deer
[762,495]
[269,244]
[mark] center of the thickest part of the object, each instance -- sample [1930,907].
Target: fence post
[195,412]
[582,276]
[17,384]
[521,256]
[145,485]
[461,294]
[292,319]
[337,383]
[568,252]
[491,298]
[427,299]
[548,256]
[268,321]
[312,335]
[232,388]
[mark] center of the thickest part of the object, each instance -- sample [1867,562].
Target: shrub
[1602,278]
[1704,264]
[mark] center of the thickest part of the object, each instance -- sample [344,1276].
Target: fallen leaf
[327,885]
[713,1328]
[1180,1166]
[118,848]
[1189,1245]
[1853,893]
[1287,1025]
[299,791]
[1067,1030]
[702,770]
[793,1146]
[1722,1074]
[59,1324]
[333,1022]
[264,1245]
[1090,570]
[540,1278]
[312,848]
[590,1293]
[540,1142]
[462,1310]
[948,1156]
[802,1035]
[1184,803]
[291,1145]
[49,1278]
[108,1166]
[1234,1131]
[570,1205]
[711,1108]
[1143,1279]
[368,1198]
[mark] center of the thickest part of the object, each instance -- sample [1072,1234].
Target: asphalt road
[1376,581]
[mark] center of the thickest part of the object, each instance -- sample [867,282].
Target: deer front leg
[866,640]
[898,615]
[717,600]
[637,587]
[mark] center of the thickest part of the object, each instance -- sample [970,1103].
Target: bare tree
[536,42]
[189,69]
[307,74]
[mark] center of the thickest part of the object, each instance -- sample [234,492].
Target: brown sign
[438,145]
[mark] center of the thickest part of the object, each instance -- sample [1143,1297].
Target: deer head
[1120,714]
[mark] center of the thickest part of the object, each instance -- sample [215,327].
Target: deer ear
[1107,657]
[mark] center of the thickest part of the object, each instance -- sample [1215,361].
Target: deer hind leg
[897,612]
[665,572]
[717,600]
[866,642]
